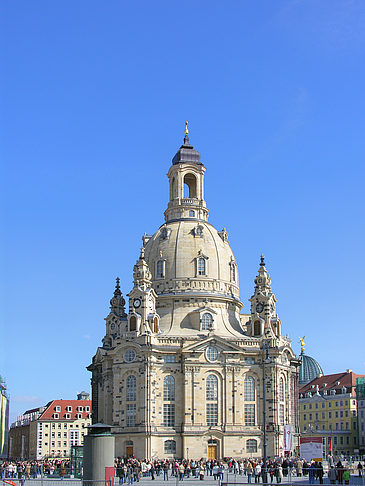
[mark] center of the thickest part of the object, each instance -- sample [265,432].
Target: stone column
[99,451]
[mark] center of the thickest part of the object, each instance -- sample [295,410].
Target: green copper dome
[309,369]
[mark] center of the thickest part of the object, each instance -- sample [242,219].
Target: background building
[4,419]
[309,367]
[331,399]
[181,374]
[51,430]
[360,395]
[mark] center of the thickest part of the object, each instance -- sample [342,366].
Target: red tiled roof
[50,410]
[333,382]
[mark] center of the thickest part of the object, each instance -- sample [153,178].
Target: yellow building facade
[330,401]
[50,431]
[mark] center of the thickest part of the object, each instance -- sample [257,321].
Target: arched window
[190,185]
[133,323]
[169,396]
[212,388]
[211,395]
[257,328]
[201,266]
[281,401]
[173,190]
[170,447]
[249,396]
[249,389]
[207,321]
[169,388]
[191,214]
[131,389]
[251,445]
[155,324]
[160,273]
[233,272]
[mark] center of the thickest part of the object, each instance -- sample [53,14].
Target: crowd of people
[33,469]
[132,470]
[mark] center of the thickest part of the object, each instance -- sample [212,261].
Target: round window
[129,355]
[212,353]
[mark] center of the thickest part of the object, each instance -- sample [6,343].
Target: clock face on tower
[260,307]
[136,303]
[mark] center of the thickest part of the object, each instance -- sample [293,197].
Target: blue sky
[94,99]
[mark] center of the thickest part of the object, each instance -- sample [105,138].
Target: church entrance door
[129,451]
[212,451]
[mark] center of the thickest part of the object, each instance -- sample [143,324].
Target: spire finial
[262,260]
[141,257]
[186,133]
[117,280]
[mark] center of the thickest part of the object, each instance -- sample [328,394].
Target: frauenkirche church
[181,374]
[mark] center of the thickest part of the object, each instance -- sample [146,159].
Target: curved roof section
[309,369]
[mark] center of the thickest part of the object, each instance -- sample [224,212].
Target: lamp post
[265,360]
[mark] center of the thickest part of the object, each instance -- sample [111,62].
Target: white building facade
[181,374]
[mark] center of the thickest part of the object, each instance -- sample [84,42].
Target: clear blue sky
[94,99]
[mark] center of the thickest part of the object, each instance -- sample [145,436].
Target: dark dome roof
[309,369]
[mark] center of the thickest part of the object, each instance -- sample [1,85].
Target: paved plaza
[229,479]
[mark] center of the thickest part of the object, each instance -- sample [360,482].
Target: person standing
[332,475]
[339,468]
[311,473]
[257,473]
[166,471]
[249,471]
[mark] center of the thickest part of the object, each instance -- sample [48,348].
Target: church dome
[192,257]
[309,369]
[193,269]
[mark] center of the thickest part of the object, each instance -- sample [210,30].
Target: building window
[131,415]
[211,388]
[233,272]
[160,269]
[129,355]
[155,324]
[169,358]
[133,323]
[249,389]
[131,386]
[212,414]
[170,447]
[169,388]
[257,328]
[191,214]
[169,414]
[201,266]
[281,401]
[211,395]
[207,321]
[249,414]
[251,445]
[212,353]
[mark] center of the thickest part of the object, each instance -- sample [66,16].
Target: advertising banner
[288,438]
[311,448]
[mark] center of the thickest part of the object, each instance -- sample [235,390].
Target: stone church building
[180,374]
